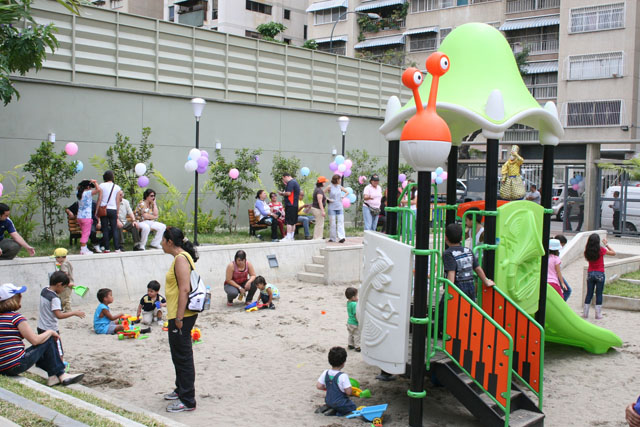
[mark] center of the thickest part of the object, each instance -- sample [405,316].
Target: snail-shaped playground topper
[426,139]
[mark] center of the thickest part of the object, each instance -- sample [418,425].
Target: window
[542,85]
[287,14]
[254,6]
[425,41]
[172,13]
[597,66]
[418,6]
[444,32]
[252,34]
[327,16]
[115,4]
[594,113]
[596,18]
[304,31]
[286,40]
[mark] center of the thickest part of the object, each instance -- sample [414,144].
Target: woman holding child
[43,353]
[239,279]
[181,320]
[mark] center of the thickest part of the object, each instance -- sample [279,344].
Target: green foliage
[171,203]
[122,158]
[22,200]
[270,30]
[51,173]
[23,42]
[389,56]
[310,44]
[521,60]
[290,165]
[231,191]
[363,165]
[395,20]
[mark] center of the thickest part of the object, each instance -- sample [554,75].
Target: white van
[632,219]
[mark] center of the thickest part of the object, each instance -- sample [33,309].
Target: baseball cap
[554,245]
[8,290]
[374,177]
[322,179]
[60,252]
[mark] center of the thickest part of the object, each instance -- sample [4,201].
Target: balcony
[520,134]
[517,6]
[544,91]
[195,18]
[535,44]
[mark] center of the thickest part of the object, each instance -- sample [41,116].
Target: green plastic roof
[483,89]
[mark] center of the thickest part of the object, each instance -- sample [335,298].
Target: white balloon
[140,169]
[191,166]
[194,154]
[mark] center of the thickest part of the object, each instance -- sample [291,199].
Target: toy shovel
[80,290]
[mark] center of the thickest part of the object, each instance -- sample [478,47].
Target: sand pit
[261,367]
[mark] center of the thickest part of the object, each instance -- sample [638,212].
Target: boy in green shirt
[352,322]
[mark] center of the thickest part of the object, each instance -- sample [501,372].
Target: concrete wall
[127,274]
[342,264]
[613,270]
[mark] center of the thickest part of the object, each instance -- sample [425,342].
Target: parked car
[557,201]
[632,218]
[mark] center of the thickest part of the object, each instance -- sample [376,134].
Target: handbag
[102,210]
[374,211]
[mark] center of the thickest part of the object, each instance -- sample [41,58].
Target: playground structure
[499,337]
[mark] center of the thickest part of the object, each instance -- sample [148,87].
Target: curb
[40,410]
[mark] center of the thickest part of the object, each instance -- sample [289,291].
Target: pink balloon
[347,173]
[575,186]
[342,167]
[339,173]
[444,175]
[404,184]
[402,177]
[349,163]
[333,166]
[1,188]
[203,162]
[346,203]
[143,181]
[71,148]
[234,173]
[362,179]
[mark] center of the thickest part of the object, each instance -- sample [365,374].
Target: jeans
[233,292]
[370,221]
[45,356]
[567,292]
[336,231]
[182,357]
[109,224]
[271,222]
[595,280]
[305,224]
[9,248]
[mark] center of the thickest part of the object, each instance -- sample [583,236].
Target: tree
[231,191]
[270,30]
[23,42]
[22,200]
[51,174]
[363,165]
[310,44]
[122,158]
[290,165]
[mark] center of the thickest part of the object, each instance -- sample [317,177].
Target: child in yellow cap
[62,264]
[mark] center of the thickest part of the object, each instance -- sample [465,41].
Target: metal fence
[618,202]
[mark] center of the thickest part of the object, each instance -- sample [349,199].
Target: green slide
[519,227]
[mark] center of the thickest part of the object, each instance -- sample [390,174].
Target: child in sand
[103,320]
[151,304]
[352,322]
[267,291]
[63,264]
[51,306]
[337,385]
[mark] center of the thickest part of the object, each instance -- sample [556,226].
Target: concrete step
[311,277]
[314,268]
[318,259]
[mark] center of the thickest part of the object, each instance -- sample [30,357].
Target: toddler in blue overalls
[337,385]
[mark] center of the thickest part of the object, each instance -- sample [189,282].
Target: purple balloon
[347,173]
[201,170]
[203,162]
[333,166]
[143,181]
[204,154]
[402,178]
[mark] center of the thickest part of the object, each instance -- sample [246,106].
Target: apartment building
[581,54]
[150,8]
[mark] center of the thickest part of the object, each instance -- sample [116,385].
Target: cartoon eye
[444,63]
[417,78]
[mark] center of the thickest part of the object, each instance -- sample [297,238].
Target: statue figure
[512,185]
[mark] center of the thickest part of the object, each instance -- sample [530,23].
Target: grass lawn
[22,417]
[624,289]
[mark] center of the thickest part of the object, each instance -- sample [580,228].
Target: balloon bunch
[577,183]
[348,198]
[438,176]
[197,161]
[140,170]
[72,149]
[341,166]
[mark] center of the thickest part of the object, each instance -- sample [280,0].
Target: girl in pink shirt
[554,273]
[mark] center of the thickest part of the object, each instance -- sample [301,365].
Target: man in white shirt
[127,222]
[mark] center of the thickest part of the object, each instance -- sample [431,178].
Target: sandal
[229,304]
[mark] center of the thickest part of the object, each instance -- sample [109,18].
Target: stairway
[524,412]
[314,272]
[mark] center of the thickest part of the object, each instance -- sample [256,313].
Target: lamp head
[374,16]
[198,105]
[343,122]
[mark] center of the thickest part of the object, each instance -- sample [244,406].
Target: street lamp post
[343,122]
[370,15]
[198,105]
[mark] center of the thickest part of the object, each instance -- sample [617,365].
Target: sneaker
[85,251]
[171,396]
[53,381]
[351,347]
[97,249]
[138,248]
[160,247]
[358,349]
[160,322]
[341,240]
[68,379]
[308,237]
[275,240]
[178,406]
[117,251]
[106,251]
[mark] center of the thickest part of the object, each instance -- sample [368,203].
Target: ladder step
[524,418]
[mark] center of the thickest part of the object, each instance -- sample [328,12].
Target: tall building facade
[582,54]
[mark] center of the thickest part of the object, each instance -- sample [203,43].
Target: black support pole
[491,204]
[452,178]
[420,299]
[547,184]
[392,186]
[195,212]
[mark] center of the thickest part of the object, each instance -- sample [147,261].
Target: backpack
[198,292]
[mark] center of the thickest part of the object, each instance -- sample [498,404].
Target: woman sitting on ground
[147,216]
[43,353]
[263,213]
[239,279]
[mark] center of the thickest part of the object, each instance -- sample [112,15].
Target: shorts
[58,341]
[112,328]
[148,317]
[290,215]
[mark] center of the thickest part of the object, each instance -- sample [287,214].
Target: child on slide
[337,385]
[554,273]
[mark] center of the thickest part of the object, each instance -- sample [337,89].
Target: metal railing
[516,6]
[544,91]
[521,135]
[536,44]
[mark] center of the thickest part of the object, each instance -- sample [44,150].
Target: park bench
[254,225]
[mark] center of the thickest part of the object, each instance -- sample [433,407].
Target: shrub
[22,200]
[363,164]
